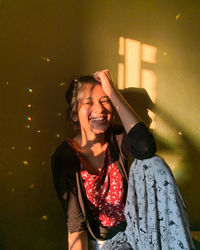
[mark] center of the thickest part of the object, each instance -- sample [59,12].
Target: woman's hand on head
[105,79]
[126,113]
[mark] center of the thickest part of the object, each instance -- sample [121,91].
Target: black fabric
[141,142]
[66,176]
[62,162]
[65,165]
[109,233]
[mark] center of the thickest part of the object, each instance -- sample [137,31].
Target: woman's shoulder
[62,148]
[64,151]
[64,158]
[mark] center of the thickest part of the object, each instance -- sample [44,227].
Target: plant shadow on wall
[186,150]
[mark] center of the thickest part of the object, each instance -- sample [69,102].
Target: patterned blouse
[105,192]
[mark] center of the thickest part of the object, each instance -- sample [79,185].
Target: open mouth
[99,123]
[98,118]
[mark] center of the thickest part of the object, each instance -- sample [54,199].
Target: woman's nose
[98,107]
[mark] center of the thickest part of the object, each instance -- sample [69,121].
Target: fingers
[99,75]
[96,76]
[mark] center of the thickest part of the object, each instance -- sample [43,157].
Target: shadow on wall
[139,99]
[188,167]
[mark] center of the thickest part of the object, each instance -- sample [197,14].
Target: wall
[43,45]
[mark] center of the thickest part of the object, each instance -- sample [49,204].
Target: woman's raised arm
[126,113]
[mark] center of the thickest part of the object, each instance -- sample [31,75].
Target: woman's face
[95,110]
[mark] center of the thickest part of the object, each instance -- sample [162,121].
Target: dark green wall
[80,37]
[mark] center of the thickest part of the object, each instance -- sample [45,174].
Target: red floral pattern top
[105,193]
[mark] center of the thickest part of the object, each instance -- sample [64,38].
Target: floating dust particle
[178,16]
[30,90]
[25,163]
[44,217]
[32,186]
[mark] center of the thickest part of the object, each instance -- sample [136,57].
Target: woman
[90,175]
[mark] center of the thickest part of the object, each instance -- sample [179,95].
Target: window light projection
[132,74]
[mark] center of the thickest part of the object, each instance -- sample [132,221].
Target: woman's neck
[91,144]
[92,138]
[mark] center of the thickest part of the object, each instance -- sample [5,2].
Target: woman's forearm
[126,113]
[78,240]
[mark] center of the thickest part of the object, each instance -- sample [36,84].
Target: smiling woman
[104,210]
[94,111]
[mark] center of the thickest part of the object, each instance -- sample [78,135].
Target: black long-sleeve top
[139,142]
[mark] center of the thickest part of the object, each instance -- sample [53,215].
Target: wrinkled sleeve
[139,142]
[64,180]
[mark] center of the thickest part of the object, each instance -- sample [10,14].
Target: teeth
[98,119]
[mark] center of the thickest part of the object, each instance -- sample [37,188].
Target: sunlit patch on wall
[131,72]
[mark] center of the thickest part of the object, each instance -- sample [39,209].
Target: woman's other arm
[64,182]
[78,240]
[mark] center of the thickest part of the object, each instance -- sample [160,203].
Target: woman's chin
[100,130]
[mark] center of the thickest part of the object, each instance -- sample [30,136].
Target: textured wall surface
[43,45]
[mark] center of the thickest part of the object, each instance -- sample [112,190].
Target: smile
[97,119]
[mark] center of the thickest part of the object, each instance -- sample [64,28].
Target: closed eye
[105,100]
[87,103]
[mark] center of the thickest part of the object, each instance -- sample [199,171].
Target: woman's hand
[105,79]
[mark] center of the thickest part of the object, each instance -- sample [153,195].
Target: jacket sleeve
[64,179]
[139,142]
